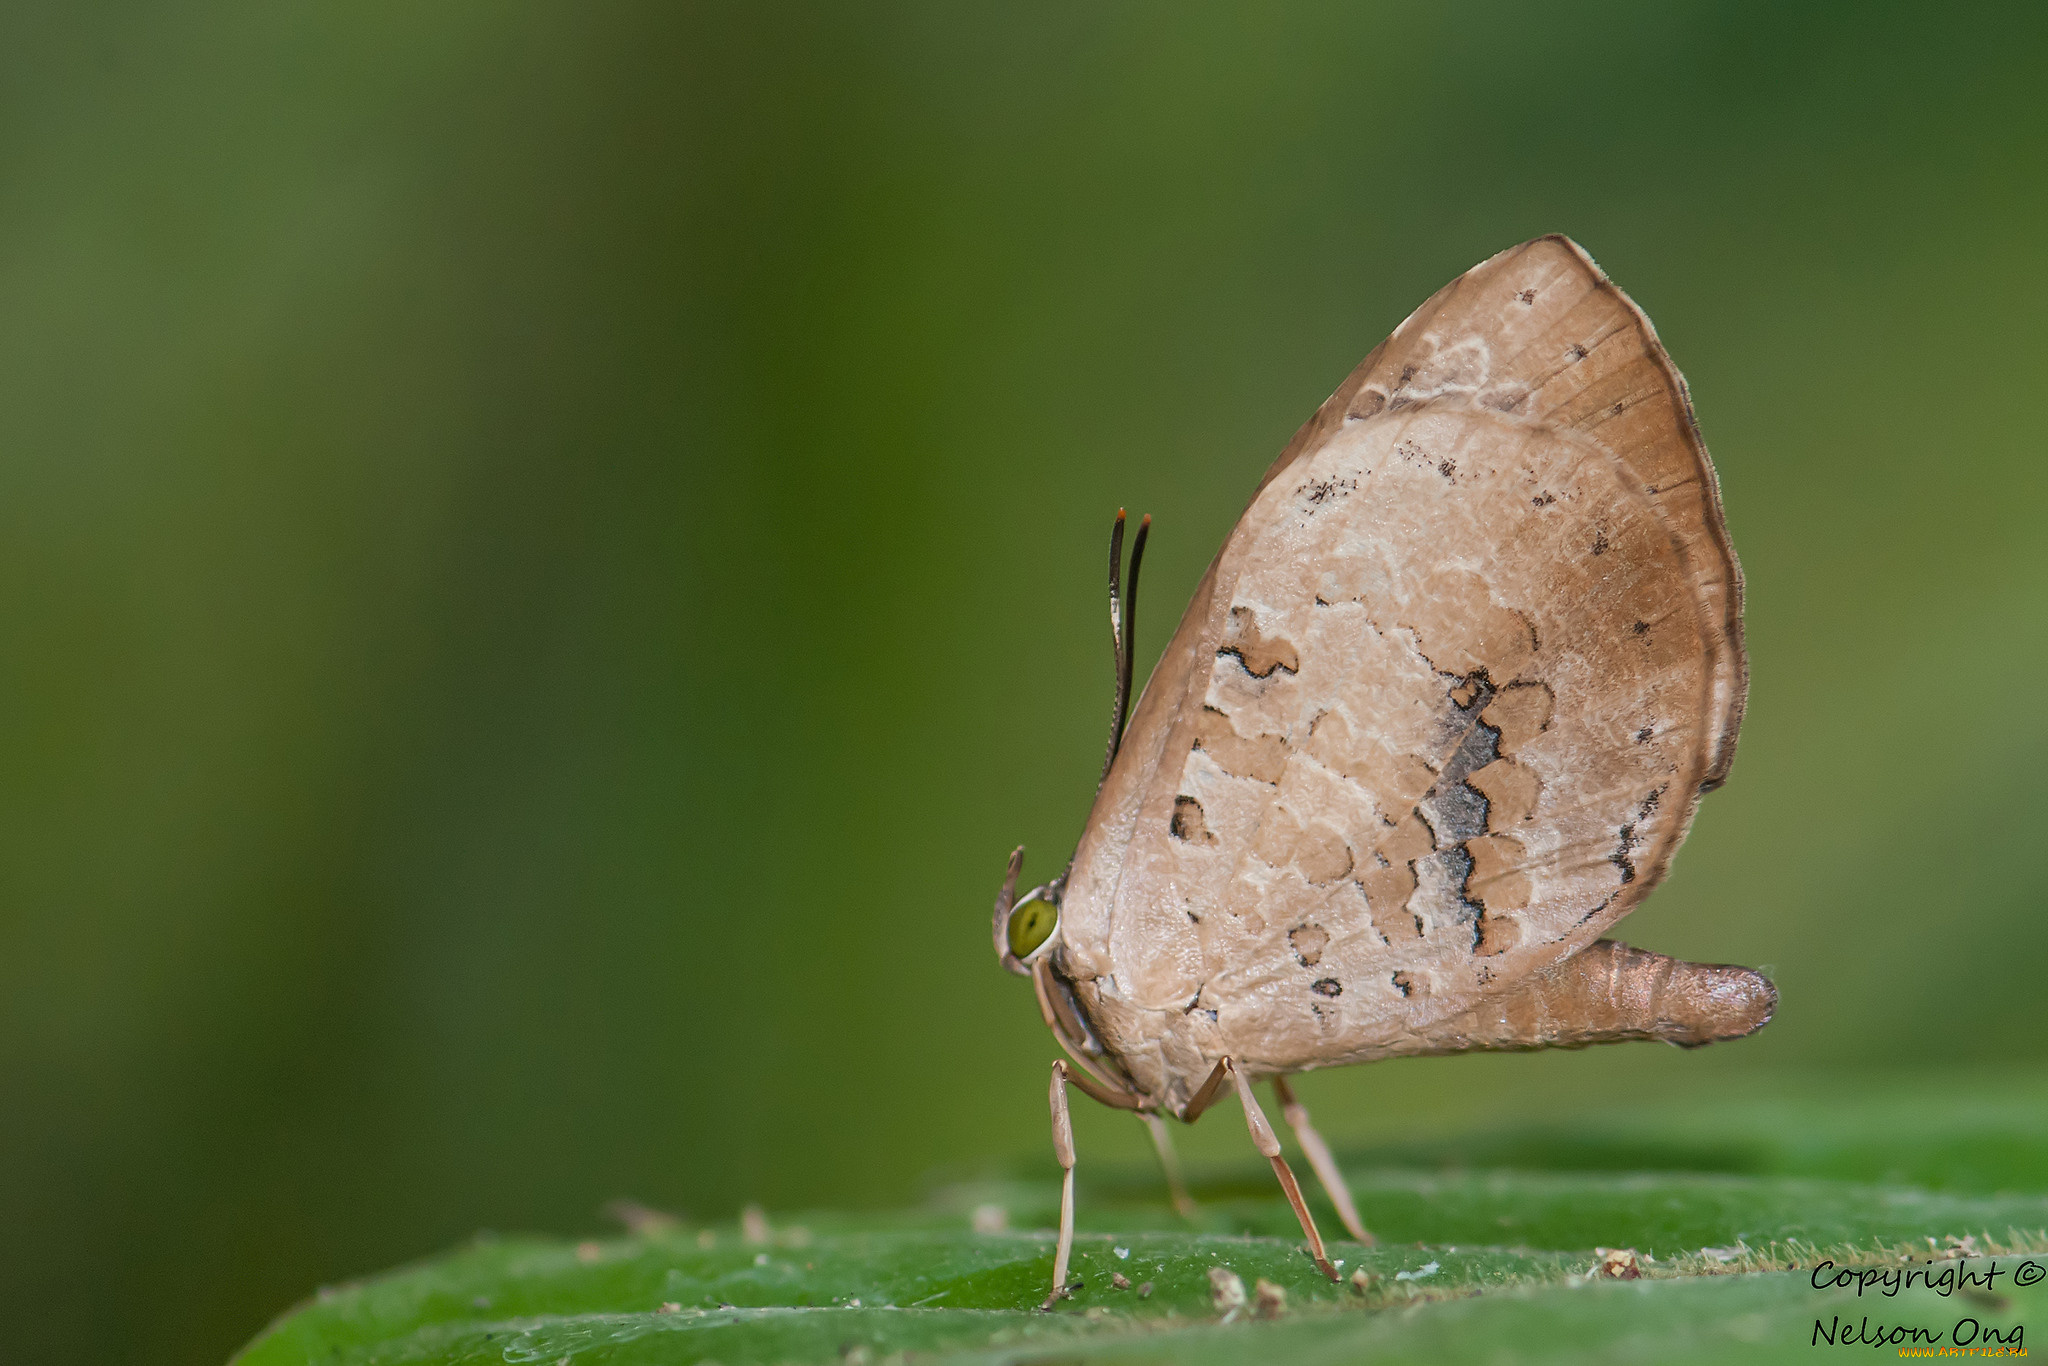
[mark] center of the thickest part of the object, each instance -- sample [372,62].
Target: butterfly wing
[1439,712]
[1539,331]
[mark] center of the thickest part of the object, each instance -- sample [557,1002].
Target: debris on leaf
[1617,1264]
[1123,1254]
[1119,1281]
[1269,1300]
[1145,1291]
[754,1225]
[669,1307]
[1226,1292]
[641,1221]
[1724,1255]
[1428,1269]
[1063,1292]
[989,1219]
[1363,1282]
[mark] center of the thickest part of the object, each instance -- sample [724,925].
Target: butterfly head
[1026,927]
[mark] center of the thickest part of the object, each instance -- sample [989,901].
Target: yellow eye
[1031,924]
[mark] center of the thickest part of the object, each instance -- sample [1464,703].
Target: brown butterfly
[1437,718]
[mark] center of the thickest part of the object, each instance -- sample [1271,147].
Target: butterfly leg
[1206,1096]
[1268,1145]
[1169,1162]
[1063,1149]
[1319,1158]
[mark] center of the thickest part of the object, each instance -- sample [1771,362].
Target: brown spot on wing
[1521,712]
[1387,892]
[1259,654]
[1313,849]
[1497,881]
[1497,934]
[1409,841]
[1263,757]
[1462,630]
[1396,780]
[1510,790]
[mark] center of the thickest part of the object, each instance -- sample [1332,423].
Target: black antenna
[1130,658]
[1123,618]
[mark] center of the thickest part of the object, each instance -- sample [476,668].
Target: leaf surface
[1494,1260]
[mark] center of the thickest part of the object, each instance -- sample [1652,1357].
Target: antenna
[1123,620]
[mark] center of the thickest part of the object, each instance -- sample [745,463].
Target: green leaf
[1491,1260]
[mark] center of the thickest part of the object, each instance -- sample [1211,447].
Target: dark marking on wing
[1623,856]
[1187,823]
[1456,811]
[1317,492]
[1368,403]
[1256,652]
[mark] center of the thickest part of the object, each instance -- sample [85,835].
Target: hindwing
[1439,713]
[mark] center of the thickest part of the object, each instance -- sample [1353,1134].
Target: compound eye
[1031,924]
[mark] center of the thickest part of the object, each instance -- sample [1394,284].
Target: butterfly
[1437,717]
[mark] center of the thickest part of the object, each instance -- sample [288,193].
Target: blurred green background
[547,553]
